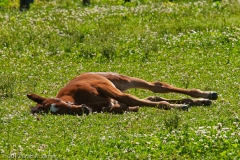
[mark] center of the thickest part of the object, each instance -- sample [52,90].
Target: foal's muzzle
[36,110]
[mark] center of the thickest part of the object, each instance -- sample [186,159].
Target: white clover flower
[209,127]
[20,148]
[225,136]
[233,133]
[235,123]
[225,129]
[148,142]
[13,155]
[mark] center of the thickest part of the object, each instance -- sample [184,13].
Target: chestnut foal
[104,92]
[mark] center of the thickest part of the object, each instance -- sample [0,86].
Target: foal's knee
[119,108]
[133,109]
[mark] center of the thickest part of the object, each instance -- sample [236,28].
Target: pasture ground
[187,44]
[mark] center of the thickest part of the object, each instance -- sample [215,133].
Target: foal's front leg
[119,108]
[190,102]
[130,100]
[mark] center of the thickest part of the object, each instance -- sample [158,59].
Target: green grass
[187,44]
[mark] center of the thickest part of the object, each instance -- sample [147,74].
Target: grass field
[187,44]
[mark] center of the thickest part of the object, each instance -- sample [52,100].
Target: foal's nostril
[36,109]
[33,110]
[40,109]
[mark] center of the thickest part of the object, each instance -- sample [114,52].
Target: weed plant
[187,44]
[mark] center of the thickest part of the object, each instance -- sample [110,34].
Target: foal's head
[56,106]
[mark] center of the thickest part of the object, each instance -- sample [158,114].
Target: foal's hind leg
[123,83]
[160,87]
[190,102]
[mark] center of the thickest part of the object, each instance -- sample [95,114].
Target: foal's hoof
[207,102]
[213,96]
[184,107]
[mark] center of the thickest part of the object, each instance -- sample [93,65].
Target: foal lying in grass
[104,92]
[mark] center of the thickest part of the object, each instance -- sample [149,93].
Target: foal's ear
[36,98]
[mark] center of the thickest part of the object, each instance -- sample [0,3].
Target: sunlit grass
[190,45]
